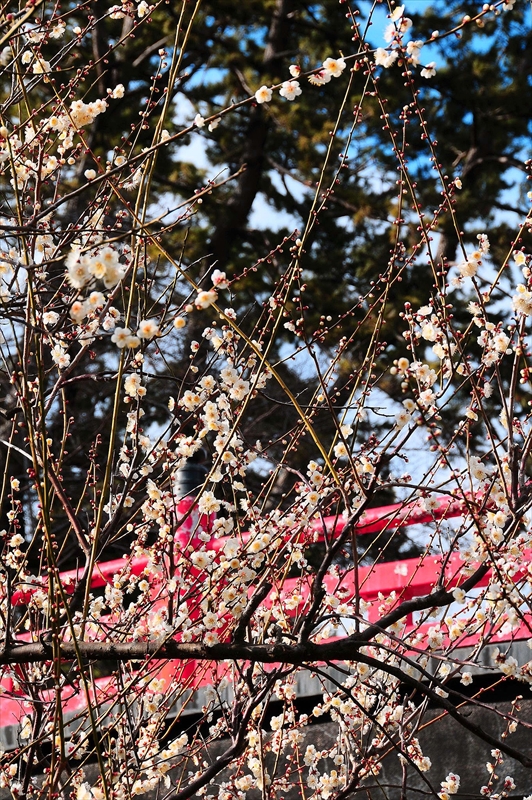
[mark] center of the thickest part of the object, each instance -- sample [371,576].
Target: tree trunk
[253,154]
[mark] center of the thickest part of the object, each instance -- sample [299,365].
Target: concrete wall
[450,748]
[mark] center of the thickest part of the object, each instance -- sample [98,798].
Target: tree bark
[254,153]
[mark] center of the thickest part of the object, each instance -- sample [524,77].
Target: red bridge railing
[407,578]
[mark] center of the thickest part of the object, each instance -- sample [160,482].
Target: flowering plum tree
[197,453]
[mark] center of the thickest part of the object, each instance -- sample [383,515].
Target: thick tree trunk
[254,153]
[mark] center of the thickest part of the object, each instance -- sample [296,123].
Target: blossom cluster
[173,487]
[393,34]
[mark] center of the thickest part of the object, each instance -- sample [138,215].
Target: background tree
[145,320]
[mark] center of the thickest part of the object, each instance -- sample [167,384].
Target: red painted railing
[407,578]
[374,520]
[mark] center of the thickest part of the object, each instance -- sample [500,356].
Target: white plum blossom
[334,66]
[95,300]
[459,595]
[204,299]
[78,311]
[116,12]
[402,418]
[477,469]
[320,77]
[469,267]
[500,342]
[110,319]
[84,792]
[398,26]
[385,58]
[509,666]
[290,90]
[210,620]
[340,450]
[58,30]
[50,318]
[60,356]
[202,559]
[219,279]
[429,71]
[449,786]
[77,269]
[435,637]
[147,329]
[142,9]
[413,49]
[208,504]
[239,389]
[263,95]
[122,337]
[133,386]
[430,331]
[397,13]
[522,301]
[41,67]
[483,243]
[82,113]
[118,91]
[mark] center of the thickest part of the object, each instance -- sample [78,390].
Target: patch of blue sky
[299,360]
[516,194]
[415,465]
[206,76]
[264,215]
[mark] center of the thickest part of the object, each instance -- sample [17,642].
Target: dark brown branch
[134,651]
[253,604]
[67,506]
[238,745]
[436,599]
[297,654]
[442,702]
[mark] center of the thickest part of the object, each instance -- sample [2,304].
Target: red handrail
[374,520]
[407,578]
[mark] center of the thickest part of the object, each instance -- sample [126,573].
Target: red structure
[407,578]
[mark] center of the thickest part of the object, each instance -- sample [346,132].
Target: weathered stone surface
[452,749]
[443,740]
